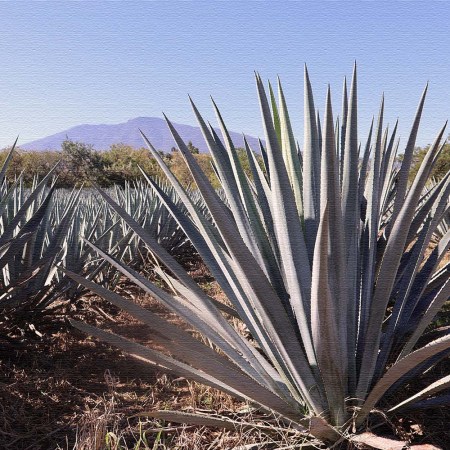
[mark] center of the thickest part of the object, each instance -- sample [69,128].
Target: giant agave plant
[322,257]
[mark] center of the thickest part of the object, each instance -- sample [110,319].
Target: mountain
[156,130]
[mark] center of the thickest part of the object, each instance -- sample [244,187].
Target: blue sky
[67,63]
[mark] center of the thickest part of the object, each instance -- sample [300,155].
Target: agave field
[332,267]
[43,227]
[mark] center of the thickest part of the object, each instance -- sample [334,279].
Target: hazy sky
[68,63]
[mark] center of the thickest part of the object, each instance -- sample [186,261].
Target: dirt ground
[65,390]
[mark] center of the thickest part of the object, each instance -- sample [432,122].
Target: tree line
[79,163]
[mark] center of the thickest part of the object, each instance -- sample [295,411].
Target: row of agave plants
[324,255]
[42,227]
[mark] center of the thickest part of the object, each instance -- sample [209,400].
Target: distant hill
[103,136]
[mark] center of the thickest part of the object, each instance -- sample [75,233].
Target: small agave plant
[322,257]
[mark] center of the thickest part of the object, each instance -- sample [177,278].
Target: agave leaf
[264,157]
[316,425]
[407,159]
[438,279]
[275,114]
[430,390]
[326,339]
[214,420]
[289,151]
[7,161]
[319,141]
[364,164]
[207,420]
[398,371]
[258,175]
[432,335]
[350,168]
[343,129]
[436,304]
[229,380]
[379,442]
[338,275]
[386,162]
[155,358]
[311,158]
[188,294]
[438,401]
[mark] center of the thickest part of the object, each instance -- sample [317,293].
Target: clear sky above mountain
[70,63]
